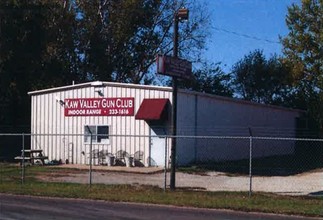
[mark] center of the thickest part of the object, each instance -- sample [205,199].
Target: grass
[10,182]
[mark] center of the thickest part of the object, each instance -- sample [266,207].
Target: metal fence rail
[280,165]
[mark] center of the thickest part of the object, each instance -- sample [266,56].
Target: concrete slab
[140,170]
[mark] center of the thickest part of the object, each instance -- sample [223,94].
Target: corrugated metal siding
[208,116]
[48,118]
[186,121]
[198,114]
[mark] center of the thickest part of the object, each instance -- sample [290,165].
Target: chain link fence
[292,166]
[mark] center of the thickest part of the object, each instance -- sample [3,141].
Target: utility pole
[181,14]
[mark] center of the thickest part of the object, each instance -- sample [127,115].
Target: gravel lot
[310,183]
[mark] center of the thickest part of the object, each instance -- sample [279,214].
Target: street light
[180,15]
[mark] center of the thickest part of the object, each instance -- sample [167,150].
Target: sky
[241,26]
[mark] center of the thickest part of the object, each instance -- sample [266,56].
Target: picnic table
[35,157]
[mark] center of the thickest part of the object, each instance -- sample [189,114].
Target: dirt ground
[309,183]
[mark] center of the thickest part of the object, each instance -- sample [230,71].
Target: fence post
[90,171]
[165,169]
[23,160]
[250,162]
[91,156]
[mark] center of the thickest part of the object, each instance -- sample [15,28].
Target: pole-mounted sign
[174,66]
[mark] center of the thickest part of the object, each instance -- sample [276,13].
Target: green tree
[260,80]
[303,50]
[119,40]
[209,79]
[37,50]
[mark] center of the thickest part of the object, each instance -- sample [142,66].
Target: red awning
[153,109]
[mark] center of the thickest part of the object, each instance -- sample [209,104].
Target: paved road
[26,207]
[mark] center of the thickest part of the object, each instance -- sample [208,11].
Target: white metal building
[126,116]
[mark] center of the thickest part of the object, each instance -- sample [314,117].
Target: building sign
[99,107]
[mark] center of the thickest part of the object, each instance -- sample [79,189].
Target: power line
[245,35]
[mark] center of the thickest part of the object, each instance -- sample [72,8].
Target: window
[100,134]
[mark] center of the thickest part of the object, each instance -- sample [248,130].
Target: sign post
[176,68]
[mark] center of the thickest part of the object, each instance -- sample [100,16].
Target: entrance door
[157,147]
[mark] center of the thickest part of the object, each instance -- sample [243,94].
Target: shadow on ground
[285,165]
[318,193]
